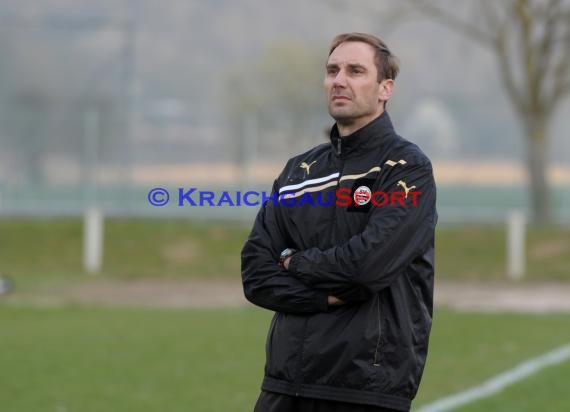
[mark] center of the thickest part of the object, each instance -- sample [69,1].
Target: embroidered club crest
[362,195]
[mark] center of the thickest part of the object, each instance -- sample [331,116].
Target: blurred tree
[281,93]
[530,40]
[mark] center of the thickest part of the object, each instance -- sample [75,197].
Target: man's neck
[348,128]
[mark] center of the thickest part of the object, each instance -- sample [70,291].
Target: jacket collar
[364,139]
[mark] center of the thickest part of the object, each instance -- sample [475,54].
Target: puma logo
[405,187]
[306,166]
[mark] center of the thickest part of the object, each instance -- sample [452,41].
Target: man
[350,280]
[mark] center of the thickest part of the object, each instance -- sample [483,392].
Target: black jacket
[377,258]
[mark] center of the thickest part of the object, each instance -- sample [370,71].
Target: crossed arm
[267,284]
[331,300]
[350,272]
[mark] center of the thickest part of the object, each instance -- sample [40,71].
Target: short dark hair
[386,63]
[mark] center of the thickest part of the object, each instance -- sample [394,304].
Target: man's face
[353,92]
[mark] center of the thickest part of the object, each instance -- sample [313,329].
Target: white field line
[499,382]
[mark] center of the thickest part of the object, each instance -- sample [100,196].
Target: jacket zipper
[340,171]
[376,361]
[377,351]
[300,362]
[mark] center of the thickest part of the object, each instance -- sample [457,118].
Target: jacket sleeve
[265,283]
[392,238]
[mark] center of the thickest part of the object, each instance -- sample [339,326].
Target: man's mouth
[340,97]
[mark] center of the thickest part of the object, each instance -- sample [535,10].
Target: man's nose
[340,79]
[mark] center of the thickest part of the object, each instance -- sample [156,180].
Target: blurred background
[102,101]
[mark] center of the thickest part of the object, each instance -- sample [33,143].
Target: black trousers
[277,402]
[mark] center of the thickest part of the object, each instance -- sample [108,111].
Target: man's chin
[340,114]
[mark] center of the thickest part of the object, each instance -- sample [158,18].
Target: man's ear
[385,89]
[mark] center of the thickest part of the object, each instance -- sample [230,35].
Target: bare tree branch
[536,28]
[506,72]
[550,24]
[545,47]
[561,68]
[561,71]
[531,37]
[544,8]
[526,24]
[453,22]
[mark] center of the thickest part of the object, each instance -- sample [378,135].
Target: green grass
[130,360]
[134,248]
[94,359]
[551,386]
[466,349]
[163,248]
[479,253]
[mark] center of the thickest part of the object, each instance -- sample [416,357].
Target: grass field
[547,391]
[92,359]
[210,250]
[87,359]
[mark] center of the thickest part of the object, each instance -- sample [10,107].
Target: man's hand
[334,301]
